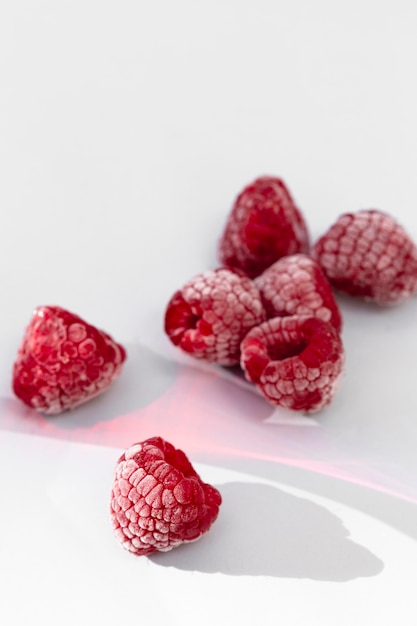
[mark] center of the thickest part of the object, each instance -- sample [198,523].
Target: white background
[126,131]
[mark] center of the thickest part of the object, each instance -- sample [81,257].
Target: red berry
[296,285]
[211,314]
[63,361]
[296,362]
[158,500]
[263,226]
[368,254]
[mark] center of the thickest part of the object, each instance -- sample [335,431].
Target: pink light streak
[214,421]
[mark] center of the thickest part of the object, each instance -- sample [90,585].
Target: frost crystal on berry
[296,285]
[211,314]
[158,501]
[369,255]
[63,361]
[264,225]
[296,362]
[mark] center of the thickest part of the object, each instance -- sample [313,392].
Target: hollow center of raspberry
[192,321]
[281,351]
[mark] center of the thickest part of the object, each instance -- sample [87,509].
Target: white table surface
[127,129]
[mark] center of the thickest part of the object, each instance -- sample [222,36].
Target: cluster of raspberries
[270,305]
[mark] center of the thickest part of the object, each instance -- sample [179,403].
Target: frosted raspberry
[296,285]
[296,362]
[63,361]
[211,314]
[158,500]
[368,254]
[263,226]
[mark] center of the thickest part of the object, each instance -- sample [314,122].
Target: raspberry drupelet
[211,314]
[63,361]
[264,225]
[296,285]
[369,255]
[158,501]
[296,362]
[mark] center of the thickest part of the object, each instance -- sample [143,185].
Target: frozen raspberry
[158,500]
[368,254]
[63,361]
[211,314]
[263,226]
[296,285]
[296,362]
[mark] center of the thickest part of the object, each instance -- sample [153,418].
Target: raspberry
[211,314]
[263,226]
[158,500]
[296,285]
[296,362]
[369,255]
[63,361]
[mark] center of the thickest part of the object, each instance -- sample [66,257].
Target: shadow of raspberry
[264,531]
[145,377]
